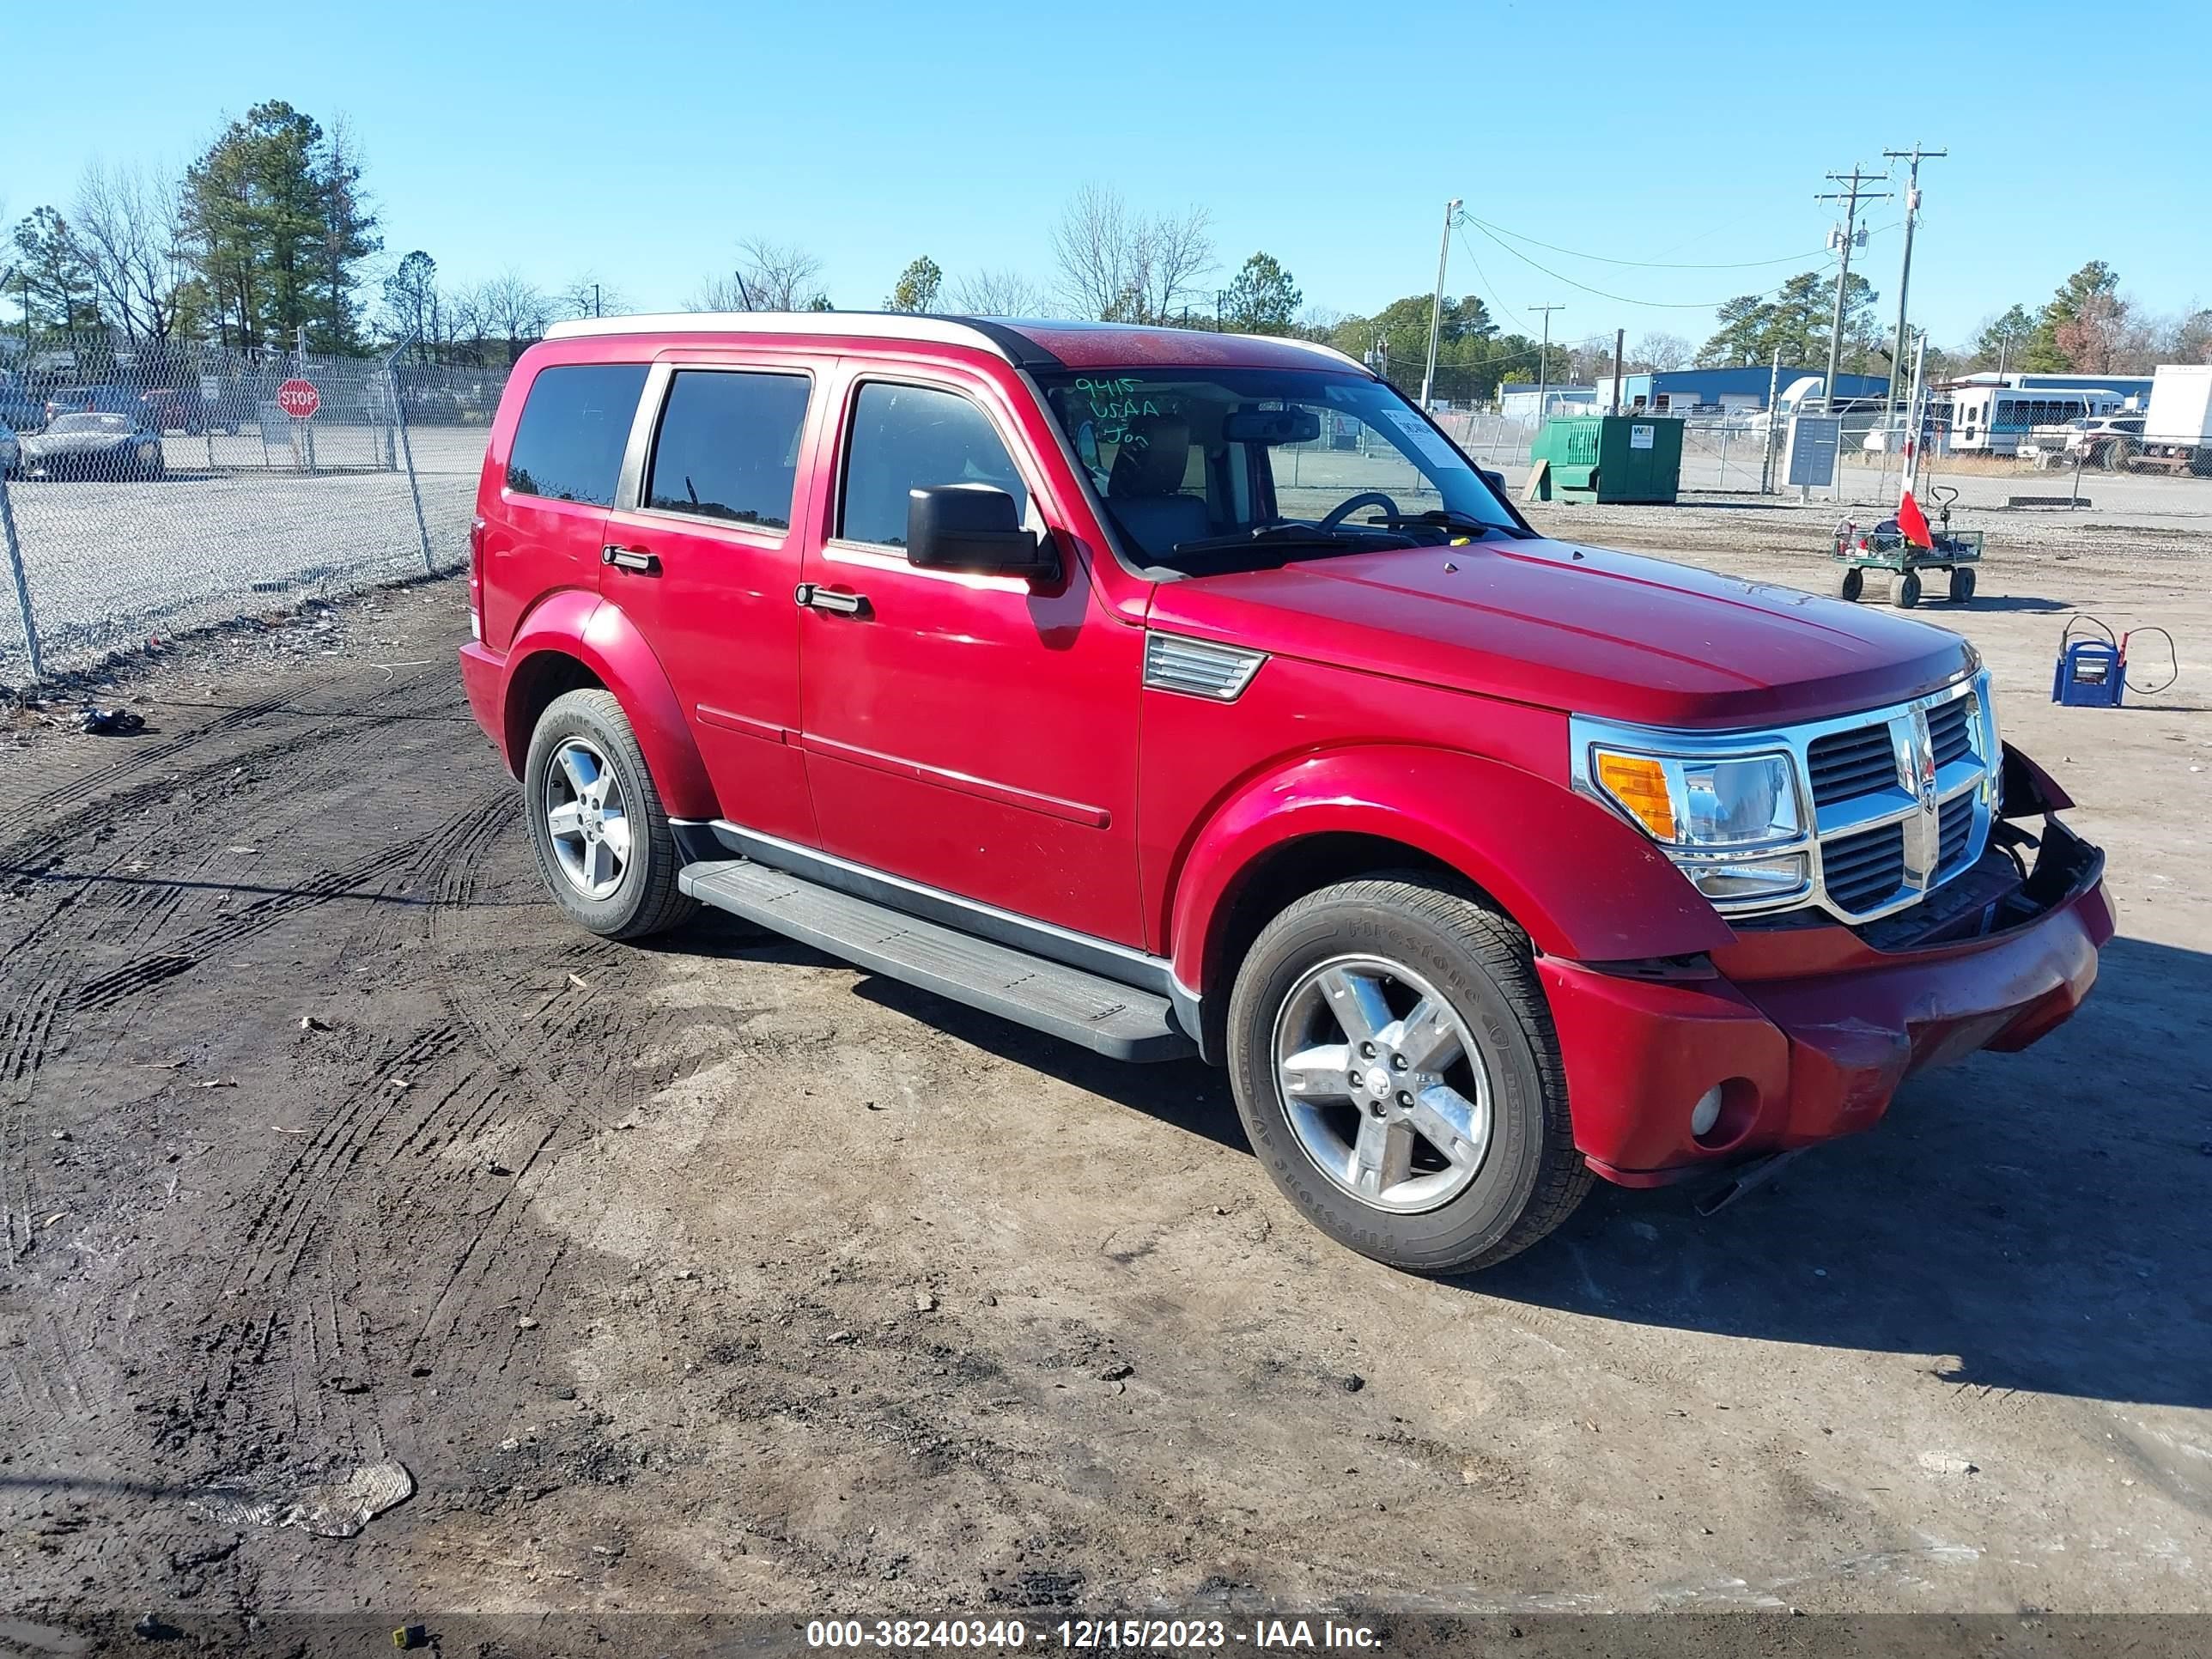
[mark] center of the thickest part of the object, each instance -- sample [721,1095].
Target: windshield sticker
[1424,437]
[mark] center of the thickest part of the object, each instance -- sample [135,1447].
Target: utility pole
[1620,345]
[1852,194]
[595,299]
[1773,416]
[1913,157]
[1437,309]
[1543,353]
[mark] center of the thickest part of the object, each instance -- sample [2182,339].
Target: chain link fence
[153,488]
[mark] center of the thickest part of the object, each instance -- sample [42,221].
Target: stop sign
[299,398]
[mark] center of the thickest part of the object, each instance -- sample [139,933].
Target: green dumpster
[1610,458]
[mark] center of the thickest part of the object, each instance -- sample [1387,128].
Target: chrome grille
[1847,764]
[1955,832]
[1951,729]
[1862,870]
[1897,800]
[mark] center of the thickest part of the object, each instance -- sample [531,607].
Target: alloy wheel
[588,818]
[1382,1084]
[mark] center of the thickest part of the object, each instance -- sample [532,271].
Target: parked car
[95,445]
[94,400]
[11,451]
[1011,661]
[178,409]
[2101,441]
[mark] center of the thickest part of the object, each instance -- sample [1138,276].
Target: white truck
[2178,425]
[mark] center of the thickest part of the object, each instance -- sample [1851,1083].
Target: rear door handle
[831,599]
[631,558]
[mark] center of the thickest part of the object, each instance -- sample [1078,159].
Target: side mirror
[1497,479]
[972,527]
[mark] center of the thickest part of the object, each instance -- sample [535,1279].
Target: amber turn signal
[1639,784]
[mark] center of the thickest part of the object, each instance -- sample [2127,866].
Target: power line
[1488,286]
[1641,264]
[1619,298]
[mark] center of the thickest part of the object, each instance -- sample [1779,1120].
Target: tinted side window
[729,447]
[568,444]
[912,437]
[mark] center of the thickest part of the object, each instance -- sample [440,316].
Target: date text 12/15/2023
[1262,1635]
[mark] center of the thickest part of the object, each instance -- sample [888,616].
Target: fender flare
[582,626]
[1583,884]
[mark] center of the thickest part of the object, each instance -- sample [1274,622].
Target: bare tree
[587,295]
[718,293]
[1178,252]
[511,307]
[1121,266]
[1661,351]
[999,294]
[128,232]
[466,316]
[770,277]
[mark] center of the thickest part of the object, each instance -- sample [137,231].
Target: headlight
[1704,806]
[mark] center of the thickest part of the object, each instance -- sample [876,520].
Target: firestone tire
[1445,943]
[643,898]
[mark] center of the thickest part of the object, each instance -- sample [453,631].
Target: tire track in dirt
[318,763]
[138,758]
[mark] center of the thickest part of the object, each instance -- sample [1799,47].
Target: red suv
[1183,693]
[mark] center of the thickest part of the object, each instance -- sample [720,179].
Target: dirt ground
[718,1276]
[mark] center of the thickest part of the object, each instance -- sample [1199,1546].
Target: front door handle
[631,558]
[837,603]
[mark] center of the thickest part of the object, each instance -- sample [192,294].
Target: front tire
[1906,593]
[1395,1063]
[602,837]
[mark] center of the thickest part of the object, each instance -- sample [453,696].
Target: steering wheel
[1344,509]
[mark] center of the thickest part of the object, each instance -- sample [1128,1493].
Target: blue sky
[640,142]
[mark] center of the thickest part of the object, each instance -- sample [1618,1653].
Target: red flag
[1913,522]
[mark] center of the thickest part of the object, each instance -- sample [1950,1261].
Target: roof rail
[874,324]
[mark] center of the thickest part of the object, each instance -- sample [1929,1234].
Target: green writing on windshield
[1113,404]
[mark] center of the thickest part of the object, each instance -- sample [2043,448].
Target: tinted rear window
[568,444]
[729,447]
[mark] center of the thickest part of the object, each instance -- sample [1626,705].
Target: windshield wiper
[1445,517]
[1286,531]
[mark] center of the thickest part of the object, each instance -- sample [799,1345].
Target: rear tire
[1852,585]
[1907,592]
[1962,586]
[638,895]
[1497,1176]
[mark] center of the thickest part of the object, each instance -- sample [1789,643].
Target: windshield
[89,423]
[1208,469]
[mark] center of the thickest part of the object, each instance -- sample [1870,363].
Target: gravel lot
[109,563]
[718,1276]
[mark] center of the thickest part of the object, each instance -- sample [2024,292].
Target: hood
[80,443]
[1581,630]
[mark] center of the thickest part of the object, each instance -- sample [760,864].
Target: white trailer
[2177,424]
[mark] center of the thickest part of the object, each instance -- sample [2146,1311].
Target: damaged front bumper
[1807,1029]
